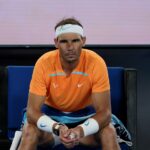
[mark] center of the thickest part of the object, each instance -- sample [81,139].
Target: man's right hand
[69,137]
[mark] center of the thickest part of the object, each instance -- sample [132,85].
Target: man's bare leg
[106,138]
[32,136]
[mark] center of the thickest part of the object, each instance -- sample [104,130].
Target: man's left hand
[71,137]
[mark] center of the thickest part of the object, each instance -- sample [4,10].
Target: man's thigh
[46,139]
[90,141]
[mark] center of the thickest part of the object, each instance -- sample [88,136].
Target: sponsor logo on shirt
[79,85]
[55,85]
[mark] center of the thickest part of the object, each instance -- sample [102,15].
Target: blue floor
[61,147]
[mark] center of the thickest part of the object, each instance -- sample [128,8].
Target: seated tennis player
[69,97]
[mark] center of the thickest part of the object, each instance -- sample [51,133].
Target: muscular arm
[34,107]
[101,103]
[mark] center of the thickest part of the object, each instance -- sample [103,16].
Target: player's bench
[123,96]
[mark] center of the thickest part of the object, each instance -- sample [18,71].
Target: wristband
[45,123]
[90,126]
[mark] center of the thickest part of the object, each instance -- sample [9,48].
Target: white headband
[69,28]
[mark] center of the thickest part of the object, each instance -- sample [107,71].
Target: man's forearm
[95,124]
[103,118]
[33,116]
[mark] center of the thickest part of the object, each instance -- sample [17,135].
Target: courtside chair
[123,98]
[18,84]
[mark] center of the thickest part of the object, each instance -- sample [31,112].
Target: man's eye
[76,40]
[63,41]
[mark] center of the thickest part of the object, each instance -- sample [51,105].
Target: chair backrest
[117,88]
[18,84]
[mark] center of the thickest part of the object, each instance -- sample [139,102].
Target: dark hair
[68,21]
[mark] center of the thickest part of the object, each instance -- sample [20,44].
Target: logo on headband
[64,27]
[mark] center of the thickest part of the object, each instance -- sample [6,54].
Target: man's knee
[108,132]
[107,137]
[89,141]
[30,133]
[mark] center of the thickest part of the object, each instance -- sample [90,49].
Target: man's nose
[70,45]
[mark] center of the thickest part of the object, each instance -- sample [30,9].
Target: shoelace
[129,143]
[122,131]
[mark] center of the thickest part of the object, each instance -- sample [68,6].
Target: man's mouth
[70,54]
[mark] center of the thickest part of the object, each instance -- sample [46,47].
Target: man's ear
[84,40]
[56,42]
